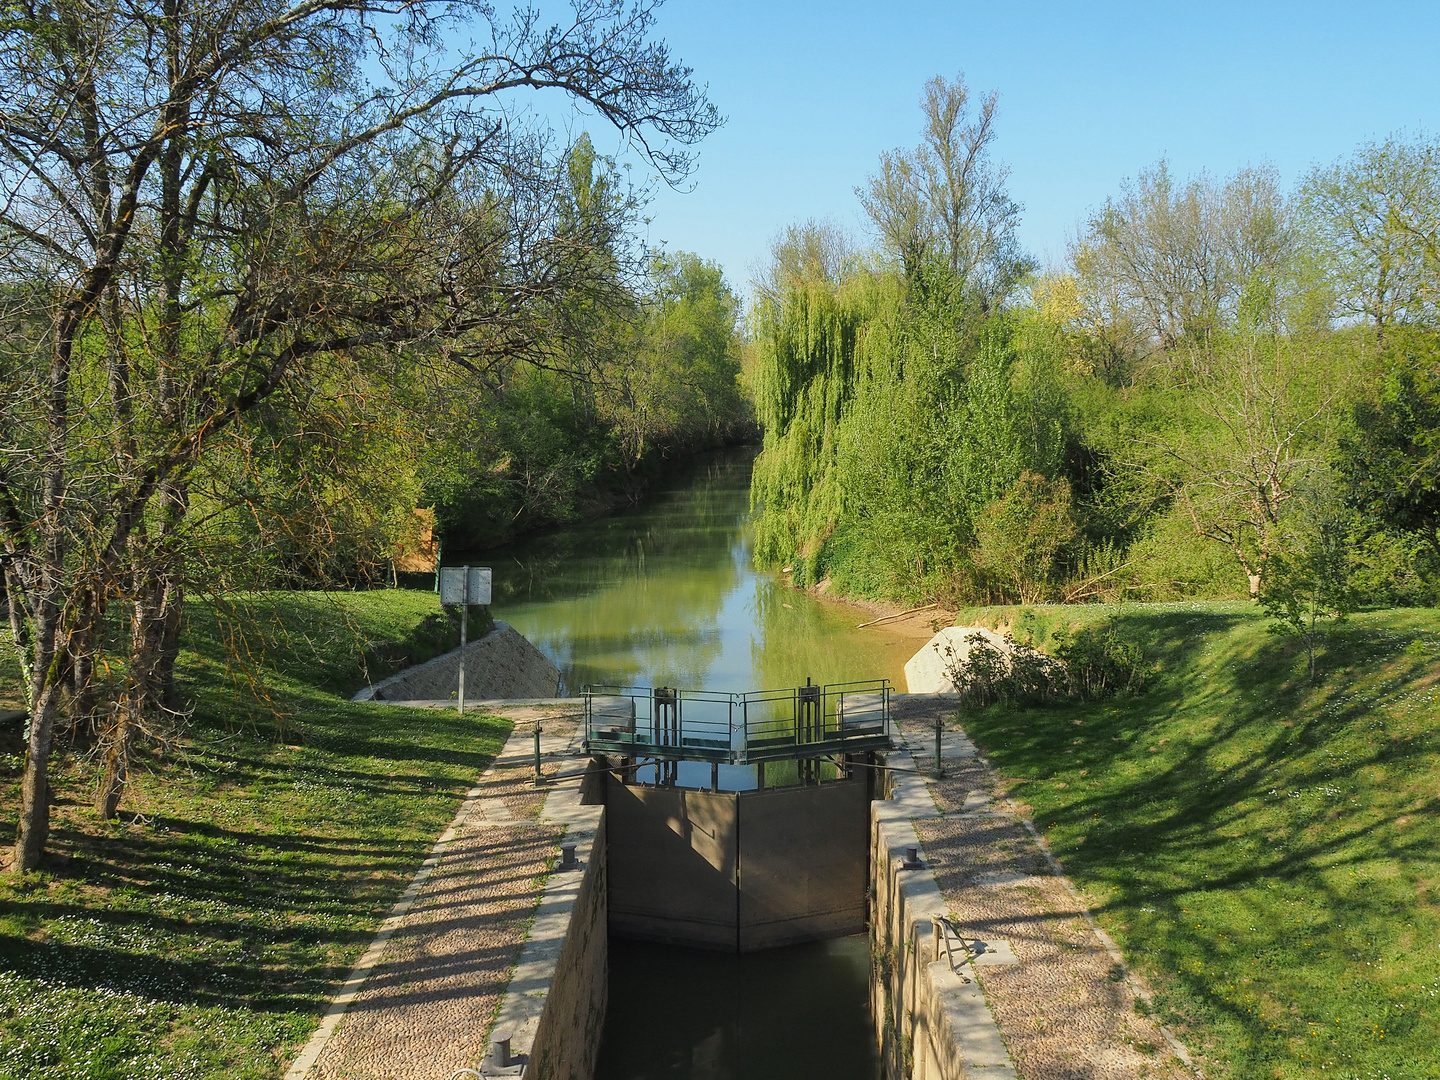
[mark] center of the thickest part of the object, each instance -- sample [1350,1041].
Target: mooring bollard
[500,1048]
[912,859]
[567,857]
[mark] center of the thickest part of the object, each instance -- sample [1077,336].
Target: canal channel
[665,594]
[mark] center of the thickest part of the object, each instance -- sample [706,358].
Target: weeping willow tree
[810,336]
[892,420]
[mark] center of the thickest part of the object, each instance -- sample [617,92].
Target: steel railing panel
[761,725]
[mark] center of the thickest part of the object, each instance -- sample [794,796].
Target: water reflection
[799,1012]
[665,595]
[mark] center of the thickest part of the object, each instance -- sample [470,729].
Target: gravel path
[1067,1008]
[426,1007]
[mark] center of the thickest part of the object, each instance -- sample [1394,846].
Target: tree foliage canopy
[1219,363]
[222,219]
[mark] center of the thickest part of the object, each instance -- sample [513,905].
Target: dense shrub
[1089,664]
[1101,662]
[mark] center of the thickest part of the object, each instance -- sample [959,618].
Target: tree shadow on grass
[255,931]
[1239,816]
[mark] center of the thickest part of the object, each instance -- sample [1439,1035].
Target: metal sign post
[464,585]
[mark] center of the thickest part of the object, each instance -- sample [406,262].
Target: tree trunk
[168,599]
[149,621]
[34,827]
[169,648]
[19,628]
[119,736]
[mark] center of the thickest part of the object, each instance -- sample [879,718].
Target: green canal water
[665,595]
[797,1013]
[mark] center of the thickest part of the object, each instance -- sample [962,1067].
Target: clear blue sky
[1090,93]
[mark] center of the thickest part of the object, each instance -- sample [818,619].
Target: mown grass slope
[1265,849]
[199,935]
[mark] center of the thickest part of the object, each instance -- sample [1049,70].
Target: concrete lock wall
[737,870]
[567,1039]
[745,871]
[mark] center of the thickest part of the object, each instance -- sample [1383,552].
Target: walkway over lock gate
[670,724]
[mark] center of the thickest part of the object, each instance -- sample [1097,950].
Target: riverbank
[201,933]
[908,626]
[657,475]
[1262,848]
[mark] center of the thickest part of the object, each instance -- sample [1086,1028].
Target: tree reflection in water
[665,595]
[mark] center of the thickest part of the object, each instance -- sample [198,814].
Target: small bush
[1100,662]
[988,675]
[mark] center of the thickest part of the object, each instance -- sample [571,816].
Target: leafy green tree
[1389,458]
[1307,584]
[677,385]
[1374,221]
[208,203]
[1022,538]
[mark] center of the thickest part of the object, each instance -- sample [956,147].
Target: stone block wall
[567,1041]
[502,664]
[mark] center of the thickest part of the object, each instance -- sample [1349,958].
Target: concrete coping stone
[478,704]
[990,952]
[971,1026]
[954,745]
[911,797]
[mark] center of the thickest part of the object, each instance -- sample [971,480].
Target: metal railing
[764,725]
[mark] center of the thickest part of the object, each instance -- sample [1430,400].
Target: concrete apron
[545,1032]
[932,1019]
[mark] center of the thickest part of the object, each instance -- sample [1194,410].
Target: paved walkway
[420,1003]
[1066,1009]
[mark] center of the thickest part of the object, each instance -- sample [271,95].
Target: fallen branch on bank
[897,615]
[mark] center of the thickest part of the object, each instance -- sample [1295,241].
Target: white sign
[465,585]
[478,584]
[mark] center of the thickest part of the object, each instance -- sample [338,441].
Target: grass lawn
[200,934]
[1265,850]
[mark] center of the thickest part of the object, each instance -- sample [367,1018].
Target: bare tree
[1175,261]
[1259,434]
[895,201]
[810,252]
[202,204]
[947,197]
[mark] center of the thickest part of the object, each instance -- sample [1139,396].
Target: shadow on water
[796,1013]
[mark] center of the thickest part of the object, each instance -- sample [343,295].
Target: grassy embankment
[199,935]
[1266,850]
